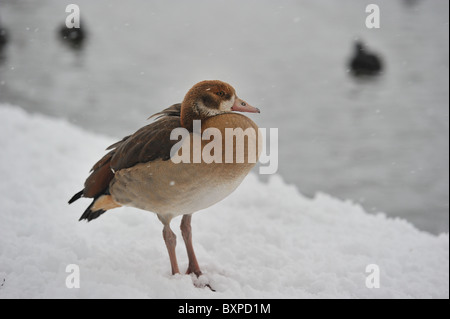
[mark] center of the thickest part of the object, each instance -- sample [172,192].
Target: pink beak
[242,106]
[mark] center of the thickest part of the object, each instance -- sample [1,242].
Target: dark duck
[73,37]
[365,63]
[3,37]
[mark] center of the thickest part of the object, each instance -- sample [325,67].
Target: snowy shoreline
[265,241]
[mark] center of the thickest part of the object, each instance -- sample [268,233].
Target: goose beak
[242,106]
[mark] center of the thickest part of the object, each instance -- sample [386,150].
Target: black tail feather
[76,196]
[89,214]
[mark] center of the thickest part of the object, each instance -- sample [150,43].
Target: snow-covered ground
[264,241]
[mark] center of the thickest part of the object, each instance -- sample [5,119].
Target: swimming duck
[364,62]
[74,37]
[3,37]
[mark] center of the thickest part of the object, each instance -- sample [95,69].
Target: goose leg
[186,231]
[171,242]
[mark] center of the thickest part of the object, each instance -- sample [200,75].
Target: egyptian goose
[140,172]
[364,63]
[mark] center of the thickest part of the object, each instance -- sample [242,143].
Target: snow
[266,240]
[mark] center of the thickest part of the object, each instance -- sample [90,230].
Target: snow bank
[266,240]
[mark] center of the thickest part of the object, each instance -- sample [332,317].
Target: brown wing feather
[99,180]
[174,110]
[149,143]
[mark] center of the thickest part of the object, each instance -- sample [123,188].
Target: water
[382,143]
